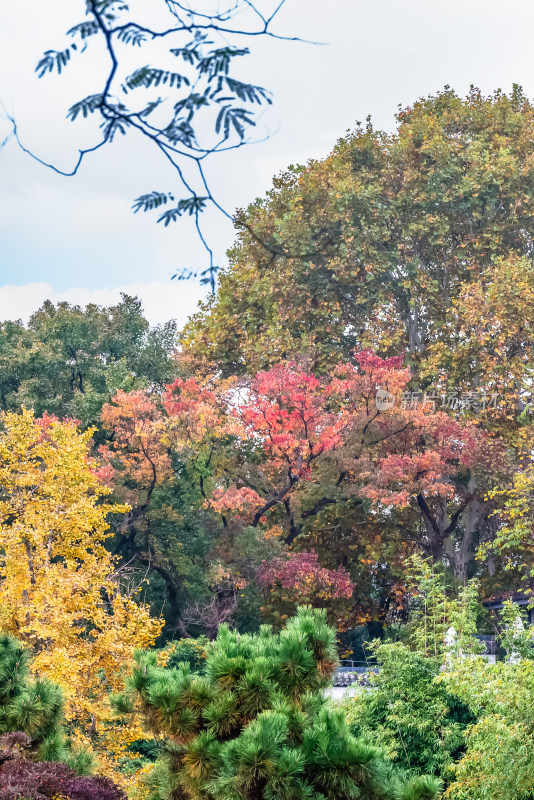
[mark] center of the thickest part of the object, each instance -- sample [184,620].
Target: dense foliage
[37,759]
[246,470]
[497,760]
[33,708]
[374,245]
[60,592]
[69,361]
[417,717]
[419,723]
[417,244]
[256,725]
[46,780]
[57,593]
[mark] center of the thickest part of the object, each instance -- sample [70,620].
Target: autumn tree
[185,465]
[161,470]
[415,243]
[492,349]
[302,580]
[336,472]
[371,245]
[59,590]
[328,442]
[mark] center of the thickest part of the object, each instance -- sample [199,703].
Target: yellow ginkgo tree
[59,591]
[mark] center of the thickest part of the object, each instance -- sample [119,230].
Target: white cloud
[162,300]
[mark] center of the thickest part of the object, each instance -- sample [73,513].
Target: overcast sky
[76,238]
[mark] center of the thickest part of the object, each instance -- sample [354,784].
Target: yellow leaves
[58,591]
[274,532]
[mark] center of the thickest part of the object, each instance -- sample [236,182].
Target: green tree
[370,246]
[34,707]
[498,752]
[420,720]
[419,723]
[256,724]
[69,360]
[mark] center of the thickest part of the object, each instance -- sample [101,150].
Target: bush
[23,779]
[187,651]
[32,707]
[45,780]
[417,720]
[498,757]
[36,762]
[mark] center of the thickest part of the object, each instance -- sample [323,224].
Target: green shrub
[418,722]
[187,651]
[34,707]
[23,779]
[498,760]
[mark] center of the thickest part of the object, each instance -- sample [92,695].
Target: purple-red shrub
[48,780]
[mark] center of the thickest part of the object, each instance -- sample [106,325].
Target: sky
[77,239]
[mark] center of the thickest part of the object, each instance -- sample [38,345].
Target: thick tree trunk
[453,536]
[462,554]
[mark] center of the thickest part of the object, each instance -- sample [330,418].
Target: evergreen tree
[32,707]
[36,760]
[256,725]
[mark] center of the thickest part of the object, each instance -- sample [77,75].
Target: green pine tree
[256,724]
[34,707]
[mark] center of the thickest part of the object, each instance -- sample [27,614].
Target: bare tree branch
[208,615]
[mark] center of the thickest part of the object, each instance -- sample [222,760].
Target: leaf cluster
[206,108]
[376,241]
[47,780]
[32,707]
[69,361]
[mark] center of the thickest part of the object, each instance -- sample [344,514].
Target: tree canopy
[69,361]
[373,245]
[58,591]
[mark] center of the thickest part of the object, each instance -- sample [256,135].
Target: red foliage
[135,421]
[305,577]
[391,453]
[47,780]
[297,424]
[231,499]
[185,396]
[287,410]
